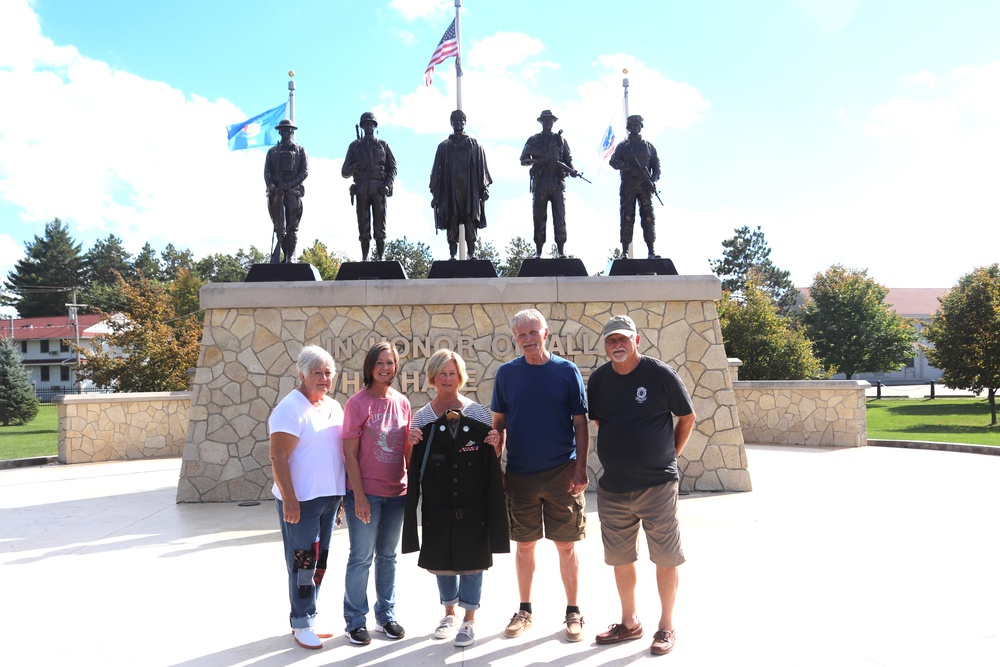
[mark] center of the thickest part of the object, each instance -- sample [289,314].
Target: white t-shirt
[317,461]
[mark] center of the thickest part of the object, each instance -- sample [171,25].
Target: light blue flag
[257,131]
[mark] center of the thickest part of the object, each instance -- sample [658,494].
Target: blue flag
[257,131]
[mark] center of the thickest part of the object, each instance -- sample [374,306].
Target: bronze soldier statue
[371,163]
[285,168]
[639,167]
[459,186]
[550,160]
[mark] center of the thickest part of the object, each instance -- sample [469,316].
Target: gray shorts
[656,509]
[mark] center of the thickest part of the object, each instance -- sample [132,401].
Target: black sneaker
[360,636]
[392,630]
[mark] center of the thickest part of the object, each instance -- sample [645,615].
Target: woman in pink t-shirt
[376,449]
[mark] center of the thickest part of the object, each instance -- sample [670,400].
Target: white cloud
[418,9]
[922,78]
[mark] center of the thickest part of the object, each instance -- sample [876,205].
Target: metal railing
[47,395]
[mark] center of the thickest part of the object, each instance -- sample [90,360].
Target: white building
[46,351]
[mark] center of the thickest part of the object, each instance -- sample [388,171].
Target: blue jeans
[307,545]
[376,539]
[465,590]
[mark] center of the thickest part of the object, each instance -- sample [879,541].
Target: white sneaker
[466,635]
[306,638]
[446,627]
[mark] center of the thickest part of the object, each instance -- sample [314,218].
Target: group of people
[377,463]
[459,185]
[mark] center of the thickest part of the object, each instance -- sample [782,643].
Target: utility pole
[73,307]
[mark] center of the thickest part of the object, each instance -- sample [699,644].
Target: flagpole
[291,97]
[458,56]
[625,99]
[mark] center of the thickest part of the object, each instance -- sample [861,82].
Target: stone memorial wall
[253,333]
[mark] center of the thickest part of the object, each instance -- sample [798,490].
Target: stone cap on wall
[459,291]
[112,397]
[801,384]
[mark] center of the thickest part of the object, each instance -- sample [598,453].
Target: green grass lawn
[965,420]
[36,438]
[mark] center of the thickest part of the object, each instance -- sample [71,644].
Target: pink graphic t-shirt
[382,425]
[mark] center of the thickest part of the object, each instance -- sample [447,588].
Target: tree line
[841,325]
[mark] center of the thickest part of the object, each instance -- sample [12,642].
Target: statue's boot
[452,250]
[380,248]
[624,251]
[562,252]
[652,253]
[538,250]
[471,247]
[365,246]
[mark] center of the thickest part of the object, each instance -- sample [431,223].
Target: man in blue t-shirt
[633,400]
[540,409]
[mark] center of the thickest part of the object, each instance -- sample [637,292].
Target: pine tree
[51,268]
[18,403]
[517,251]
[416,258]
[748,251]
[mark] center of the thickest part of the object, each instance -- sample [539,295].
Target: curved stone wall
[253,333]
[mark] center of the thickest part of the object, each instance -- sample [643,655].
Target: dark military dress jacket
[459,489]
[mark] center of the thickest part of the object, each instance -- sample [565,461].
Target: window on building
[24,347]
[64,346]
[45,373]
[45,346]
[64,373]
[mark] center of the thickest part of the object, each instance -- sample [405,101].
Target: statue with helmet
[372,165]
[286,166]
[637,162]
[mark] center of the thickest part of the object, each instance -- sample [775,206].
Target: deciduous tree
[965,333]
[327,263]
[18,403]
[767,343]
[149,350]
[852,329]
[748,252]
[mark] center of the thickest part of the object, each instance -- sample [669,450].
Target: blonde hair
[439,360]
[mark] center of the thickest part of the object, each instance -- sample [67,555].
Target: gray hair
[526,316]
[312,357]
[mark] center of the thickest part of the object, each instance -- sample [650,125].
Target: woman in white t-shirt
[307,461]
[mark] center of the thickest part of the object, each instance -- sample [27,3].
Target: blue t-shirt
[539,402]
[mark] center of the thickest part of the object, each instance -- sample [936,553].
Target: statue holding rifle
[371,163]
[285,168]
[636,161]
[548,155]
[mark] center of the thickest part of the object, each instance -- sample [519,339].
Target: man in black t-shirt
[634,399]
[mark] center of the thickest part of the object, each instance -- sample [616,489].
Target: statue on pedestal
[285,168]
[459,186]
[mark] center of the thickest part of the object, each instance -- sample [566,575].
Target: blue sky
[857,132]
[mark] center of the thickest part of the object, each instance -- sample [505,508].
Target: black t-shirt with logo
[635,440]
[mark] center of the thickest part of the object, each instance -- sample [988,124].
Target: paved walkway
[863,557]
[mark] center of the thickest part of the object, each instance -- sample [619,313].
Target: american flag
[446,48]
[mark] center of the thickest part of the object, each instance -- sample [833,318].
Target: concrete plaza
[839,557]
